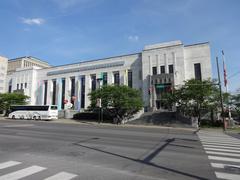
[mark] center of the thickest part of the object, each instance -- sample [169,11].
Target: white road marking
[227,176]
[222,142]
[8,164]
[220,165]
[218,158]
[224,154]
[62,176]
[223,150]
[220,146]
[22,173]
[18,125]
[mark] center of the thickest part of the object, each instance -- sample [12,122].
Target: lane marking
[8,164]
[227,176]
[220,165]
[224,154]
[222,142]
[223,150]
[219,158]
[220,146]
[17,125]
[22,173]
[62,176]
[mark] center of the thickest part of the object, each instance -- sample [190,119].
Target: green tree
[118,101]
[194,96]
[8,99]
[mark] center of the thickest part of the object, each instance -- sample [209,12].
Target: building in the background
[3,73]
[154,71]
[25,62]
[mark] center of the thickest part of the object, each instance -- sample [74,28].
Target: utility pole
[220,91]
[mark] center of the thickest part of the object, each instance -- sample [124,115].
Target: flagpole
[226,83]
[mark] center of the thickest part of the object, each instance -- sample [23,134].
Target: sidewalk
[72,121]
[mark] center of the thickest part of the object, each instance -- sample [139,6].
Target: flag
[224,70]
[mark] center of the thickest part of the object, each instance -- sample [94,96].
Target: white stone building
[3,73]
[156,68]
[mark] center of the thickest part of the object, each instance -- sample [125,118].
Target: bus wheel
[13,117]
[34,118]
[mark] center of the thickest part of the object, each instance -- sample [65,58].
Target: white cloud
[33,21]
[134,38]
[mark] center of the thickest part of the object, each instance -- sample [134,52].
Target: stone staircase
[162,118]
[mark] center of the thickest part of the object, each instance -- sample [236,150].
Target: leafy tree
[194,96]
[8,99]
[118,101]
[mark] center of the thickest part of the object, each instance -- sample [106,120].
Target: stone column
[87,90]
[78,93]
[166,63]
[49,92]
[123,77]
[110,78]
[67,90]
[158,64]
[59,93]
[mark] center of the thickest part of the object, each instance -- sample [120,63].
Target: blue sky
[68,31]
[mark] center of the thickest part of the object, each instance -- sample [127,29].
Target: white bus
[46,112]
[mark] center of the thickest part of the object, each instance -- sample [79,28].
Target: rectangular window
[72,89]
[105,78]
[116,78]
[54,92]
[162,68]
[9,88]
[94,82]
[63,92]
[170,69]
[154,70]
[17,86]
[25,85]
[21,85]
[130,78]
[45,92]
[83,92]
[197,70]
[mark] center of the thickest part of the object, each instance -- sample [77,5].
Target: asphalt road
[38,150]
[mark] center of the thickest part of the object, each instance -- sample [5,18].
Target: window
[130,78]
[82,91]
[94,83]
[162,68]
[104,78]
[17,86]
[54,92]
[170,69]
[21,85]
[63,92]
[25,85]
[45,92]
[197,70]
[116,78]
[72,89]
[9,88]
[154,70]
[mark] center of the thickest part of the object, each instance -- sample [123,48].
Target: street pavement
[223,153]
[34,150]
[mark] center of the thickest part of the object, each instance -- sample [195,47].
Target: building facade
[154,71]
[3,73]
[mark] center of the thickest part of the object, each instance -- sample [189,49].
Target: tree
[194,96]
[118,101]
[8,99]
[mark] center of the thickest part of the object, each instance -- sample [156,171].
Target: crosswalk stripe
[62,176]
[227,176]
[222,142]
[219,158]
[8,164]
[220,165]
[223,150]
[224,154]
[22,173]
[220,146]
